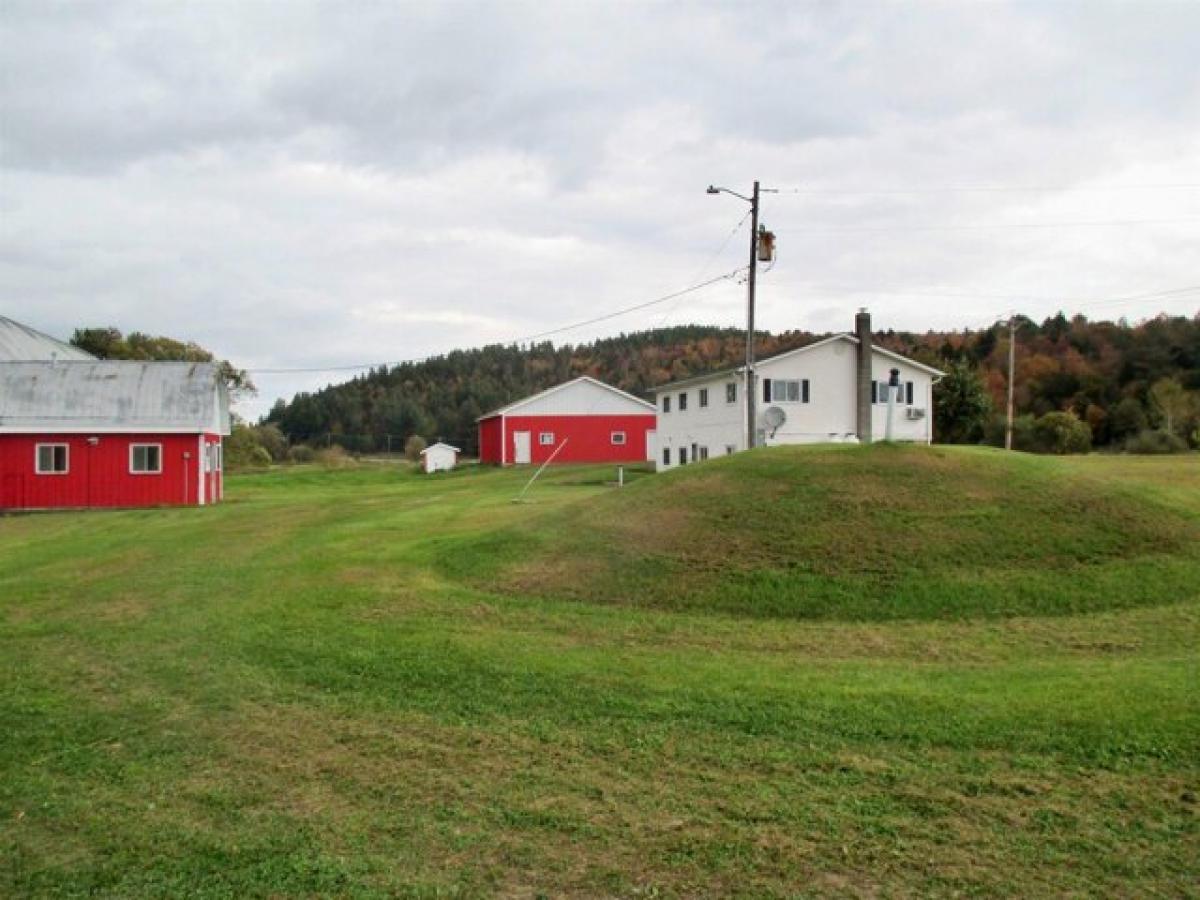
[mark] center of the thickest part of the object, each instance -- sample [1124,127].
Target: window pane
[45,459]
[778,390]
[60,459]
[793,393]
[731,393]
[152,460]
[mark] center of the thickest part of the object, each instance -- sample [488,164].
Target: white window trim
[37,459]
[158,471]
[542,435]
[613,438]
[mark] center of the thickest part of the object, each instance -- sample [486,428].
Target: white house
[439,457]
[836,389]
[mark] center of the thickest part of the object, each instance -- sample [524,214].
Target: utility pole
[767,241]
[751,384]
[1012,357]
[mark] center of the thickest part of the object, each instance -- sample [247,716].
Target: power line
[521,340]
[1029,189]
[854,229]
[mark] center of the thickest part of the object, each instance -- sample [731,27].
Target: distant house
[439,457]
[836,389]
[581,421]
[81,432]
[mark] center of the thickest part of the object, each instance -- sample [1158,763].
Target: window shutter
[908,393]
[804,391]
[874,391]
[766,390]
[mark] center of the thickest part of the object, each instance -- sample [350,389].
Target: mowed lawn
[374,683]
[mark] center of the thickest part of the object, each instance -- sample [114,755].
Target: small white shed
[439,457]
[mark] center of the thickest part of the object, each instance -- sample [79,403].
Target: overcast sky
[298,185]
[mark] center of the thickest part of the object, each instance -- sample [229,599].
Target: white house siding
[439,457]
[829,414]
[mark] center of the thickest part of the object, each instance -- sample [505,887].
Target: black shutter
[874,391]
[766,390]
[908,393]
[804,391]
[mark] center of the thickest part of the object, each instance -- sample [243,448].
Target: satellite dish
[774,416]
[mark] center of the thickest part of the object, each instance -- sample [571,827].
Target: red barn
[581,421]
[116,433]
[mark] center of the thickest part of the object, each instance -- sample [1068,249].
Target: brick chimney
[862,330]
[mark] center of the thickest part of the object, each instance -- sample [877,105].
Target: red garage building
[581,421]
[84,433]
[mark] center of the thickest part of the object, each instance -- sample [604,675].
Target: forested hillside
[1102,372]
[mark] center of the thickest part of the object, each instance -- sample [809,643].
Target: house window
[52,459]
[704,396]
[703,453]
[682,402]
[730,449]
[667,404]
[666,456]
[683,456]
[618,438]
[782,390]
[145,459]
[546,438]
[695,453]
[731,392]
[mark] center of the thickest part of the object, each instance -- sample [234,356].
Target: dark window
[695,454]
[145,459]
[704,396]
[666,404]
[683,456]
[618,438]
[682,402]
[51,459]
[546,438]
[730,449]
[703,453]
[731,392]
[666,456]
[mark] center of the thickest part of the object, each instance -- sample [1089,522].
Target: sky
[300,185]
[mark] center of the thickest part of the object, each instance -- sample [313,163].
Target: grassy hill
[858,533]
[335,685]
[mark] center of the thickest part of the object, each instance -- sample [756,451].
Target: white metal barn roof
[584,395]
[20,342]
[112,396]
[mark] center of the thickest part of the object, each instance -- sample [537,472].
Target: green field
[818,671]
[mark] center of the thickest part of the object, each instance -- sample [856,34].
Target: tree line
[1102,383]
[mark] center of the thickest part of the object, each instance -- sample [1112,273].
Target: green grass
[370,683]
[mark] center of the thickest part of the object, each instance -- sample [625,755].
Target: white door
[521,448]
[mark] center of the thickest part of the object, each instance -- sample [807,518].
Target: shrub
[302,453]
[1128,419]
[1062,432]
[413,447]
[1150,441]
[333,457]
[1022,432]
[272,439]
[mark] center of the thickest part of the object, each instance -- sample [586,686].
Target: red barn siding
[491,440]
[588,438]
[98,474]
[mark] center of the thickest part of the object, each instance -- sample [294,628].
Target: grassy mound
[859,533]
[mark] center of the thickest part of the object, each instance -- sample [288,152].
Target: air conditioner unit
[914,413]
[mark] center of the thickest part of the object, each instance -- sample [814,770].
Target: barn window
[704,396]
[731,392]
[52,459]
[145,459]
[683,401]
[618,438]
[546,438]
[730,449]
[703,453]
[667,403]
